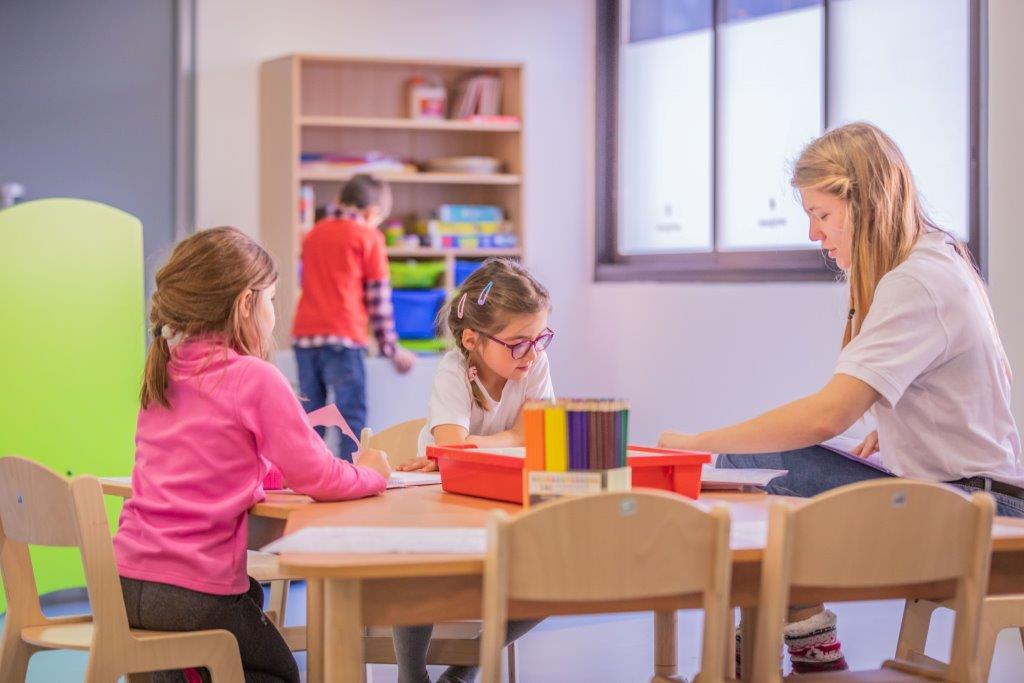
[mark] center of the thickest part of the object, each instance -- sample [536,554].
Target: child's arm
[449,434]
[268,408]
[377,298]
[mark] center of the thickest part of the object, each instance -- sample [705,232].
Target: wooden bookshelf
[342,104]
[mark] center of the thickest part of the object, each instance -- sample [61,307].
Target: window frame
[783,265]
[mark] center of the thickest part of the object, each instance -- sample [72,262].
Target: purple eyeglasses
[520,349]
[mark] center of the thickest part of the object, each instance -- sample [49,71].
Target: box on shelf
[412,274]
[435,345]
[463,269]
[415,311]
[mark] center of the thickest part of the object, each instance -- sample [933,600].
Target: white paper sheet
[728,479]
[374,540]
[748,534]
[399,480]
[117,480]
[844,446]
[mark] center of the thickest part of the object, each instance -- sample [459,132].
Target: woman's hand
[868,446]
[678,441]
[375,459]
[418,465]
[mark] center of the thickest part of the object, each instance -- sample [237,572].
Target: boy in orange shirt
[345,290]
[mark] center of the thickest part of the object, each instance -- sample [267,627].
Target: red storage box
[660,468]
[496,473]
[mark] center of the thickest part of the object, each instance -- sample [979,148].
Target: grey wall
[87,105]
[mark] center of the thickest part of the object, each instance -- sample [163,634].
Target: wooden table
[347,592]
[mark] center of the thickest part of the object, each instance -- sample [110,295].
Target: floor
[619,648]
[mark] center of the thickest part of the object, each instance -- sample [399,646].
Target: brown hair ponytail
[198,292]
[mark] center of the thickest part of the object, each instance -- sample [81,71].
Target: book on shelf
[478,95]
[470,213]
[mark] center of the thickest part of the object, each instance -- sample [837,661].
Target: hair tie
[462,305]
[485,293]
[471,374]
[852,312]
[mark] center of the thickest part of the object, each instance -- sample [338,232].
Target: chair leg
[100,670]
[512,663]
[997,614]
[14,656]
[917,617]
[279,599]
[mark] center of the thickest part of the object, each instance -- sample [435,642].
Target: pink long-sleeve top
[199,466]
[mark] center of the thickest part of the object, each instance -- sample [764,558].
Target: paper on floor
[374,540]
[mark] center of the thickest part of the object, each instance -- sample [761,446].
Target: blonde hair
[864,167]
[513,292]
[198,292]
[861,165]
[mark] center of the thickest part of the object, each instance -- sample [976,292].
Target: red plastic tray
[472,471]
[468,470]
[668,470]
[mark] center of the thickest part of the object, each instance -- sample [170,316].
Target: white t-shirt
[928,346]
[451,401]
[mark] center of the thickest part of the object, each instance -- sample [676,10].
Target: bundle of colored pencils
[576,434]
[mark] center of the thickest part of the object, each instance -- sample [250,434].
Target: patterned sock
[813,645]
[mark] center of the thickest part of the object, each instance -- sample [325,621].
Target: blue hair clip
[485,293]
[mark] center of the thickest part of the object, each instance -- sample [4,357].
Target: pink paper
[330,416]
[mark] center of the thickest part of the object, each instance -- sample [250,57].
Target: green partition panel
[72,347]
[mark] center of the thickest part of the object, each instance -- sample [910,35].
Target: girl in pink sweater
[215,416]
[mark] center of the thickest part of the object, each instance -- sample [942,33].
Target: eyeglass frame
[529,343]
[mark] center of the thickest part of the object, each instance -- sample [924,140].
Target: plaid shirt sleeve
[382,316]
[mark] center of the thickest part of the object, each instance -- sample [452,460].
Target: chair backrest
[399,441]
[891,532]
[40,507]
[616,547]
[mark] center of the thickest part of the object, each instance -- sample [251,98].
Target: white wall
[1005,150]
[688,356]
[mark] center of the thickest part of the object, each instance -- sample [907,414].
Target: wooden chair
[998,612]
[39,507]
[605,549]
[879,533]
[400,441]
[454,642]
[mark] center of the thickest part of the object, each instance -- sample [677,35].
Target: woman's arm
[805,422]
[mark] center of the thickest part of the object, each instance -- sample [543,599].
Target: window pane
[665,137]
[771,99]
[904,66]
[662,18]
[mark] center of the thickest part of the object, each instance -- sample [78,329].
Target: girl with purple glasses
[497,323]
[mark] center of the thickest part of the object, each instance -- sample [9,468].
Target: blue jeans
[814,470]
[341,370]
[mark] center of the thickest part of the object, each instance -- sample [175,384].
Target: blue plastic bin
[415,311]
[464,269]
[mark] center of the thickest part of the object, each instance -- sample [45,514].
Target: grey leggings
[162,607]
[411,643]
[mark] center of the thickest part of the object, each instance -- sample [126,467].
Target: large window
[703,105]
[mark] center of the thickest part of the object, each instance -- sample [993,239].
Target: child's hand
[403,360]
[375,459]
[418,465]
[868,446]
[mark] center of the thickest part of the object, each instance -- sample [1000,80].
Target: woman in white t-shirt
[920,352]
[498,325]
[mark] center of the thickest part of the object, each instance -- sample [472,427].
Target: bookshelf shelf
[399,123]
[331,175]
[354,105]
